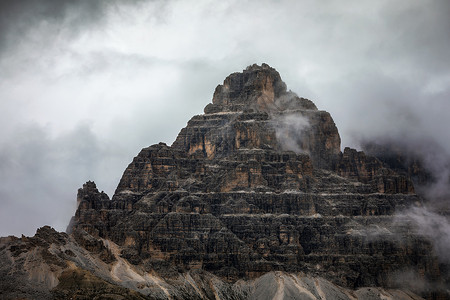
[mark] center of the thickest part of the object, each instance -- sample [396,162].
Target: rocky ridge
[254,199]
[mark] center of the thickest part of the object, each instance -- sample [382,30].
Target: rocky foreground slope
[254,200]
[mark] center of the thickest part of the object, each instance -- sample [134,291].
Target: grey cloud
[432,225]
[290,130]
[64,19]
[420,33]
[40,175]
[18,17]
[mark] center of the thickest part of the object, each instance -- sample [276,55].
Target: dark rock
[368,169]
[253,110]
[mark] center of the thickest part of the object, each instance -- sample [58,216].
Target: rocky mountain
[253,200]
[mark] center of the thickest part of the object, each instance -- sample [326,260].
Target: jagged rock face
[253,110]
[160,167]
[402,160]
[227,197]
[258,88]
[368,169]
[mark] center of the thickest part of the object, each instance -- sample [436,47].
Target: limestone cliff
[254,200]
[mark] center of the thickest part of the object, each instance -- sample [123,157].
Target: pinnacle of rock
[257,88]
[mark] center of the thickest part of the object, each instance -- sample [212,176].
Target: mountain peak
[256,67]
[257,88]
[253,109]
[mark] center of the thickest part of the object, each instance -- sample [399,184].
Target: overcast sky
[84,85]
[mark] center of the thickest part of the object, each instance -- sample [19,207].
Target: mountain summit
[253,110]
[254,200]
[257,88]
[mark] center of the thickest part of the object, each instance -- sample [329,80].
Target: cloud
[40,173]
[290,130]
[19,19]
[26,20]
[432,225]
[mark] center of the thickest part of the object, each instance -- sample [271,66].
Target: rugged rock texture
[369,169]
[253,110]
[403,160]
[254,200]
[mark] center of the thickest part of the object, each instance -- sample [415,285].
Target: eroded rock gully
[254,199]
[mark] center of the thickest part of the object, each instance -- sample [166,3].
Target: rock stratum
[253,200]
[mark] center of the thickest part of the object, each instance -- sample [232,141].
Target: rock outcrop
[253,110]
[254,199]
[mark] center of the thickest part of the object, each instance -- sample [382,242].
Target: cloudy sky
[84,85]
